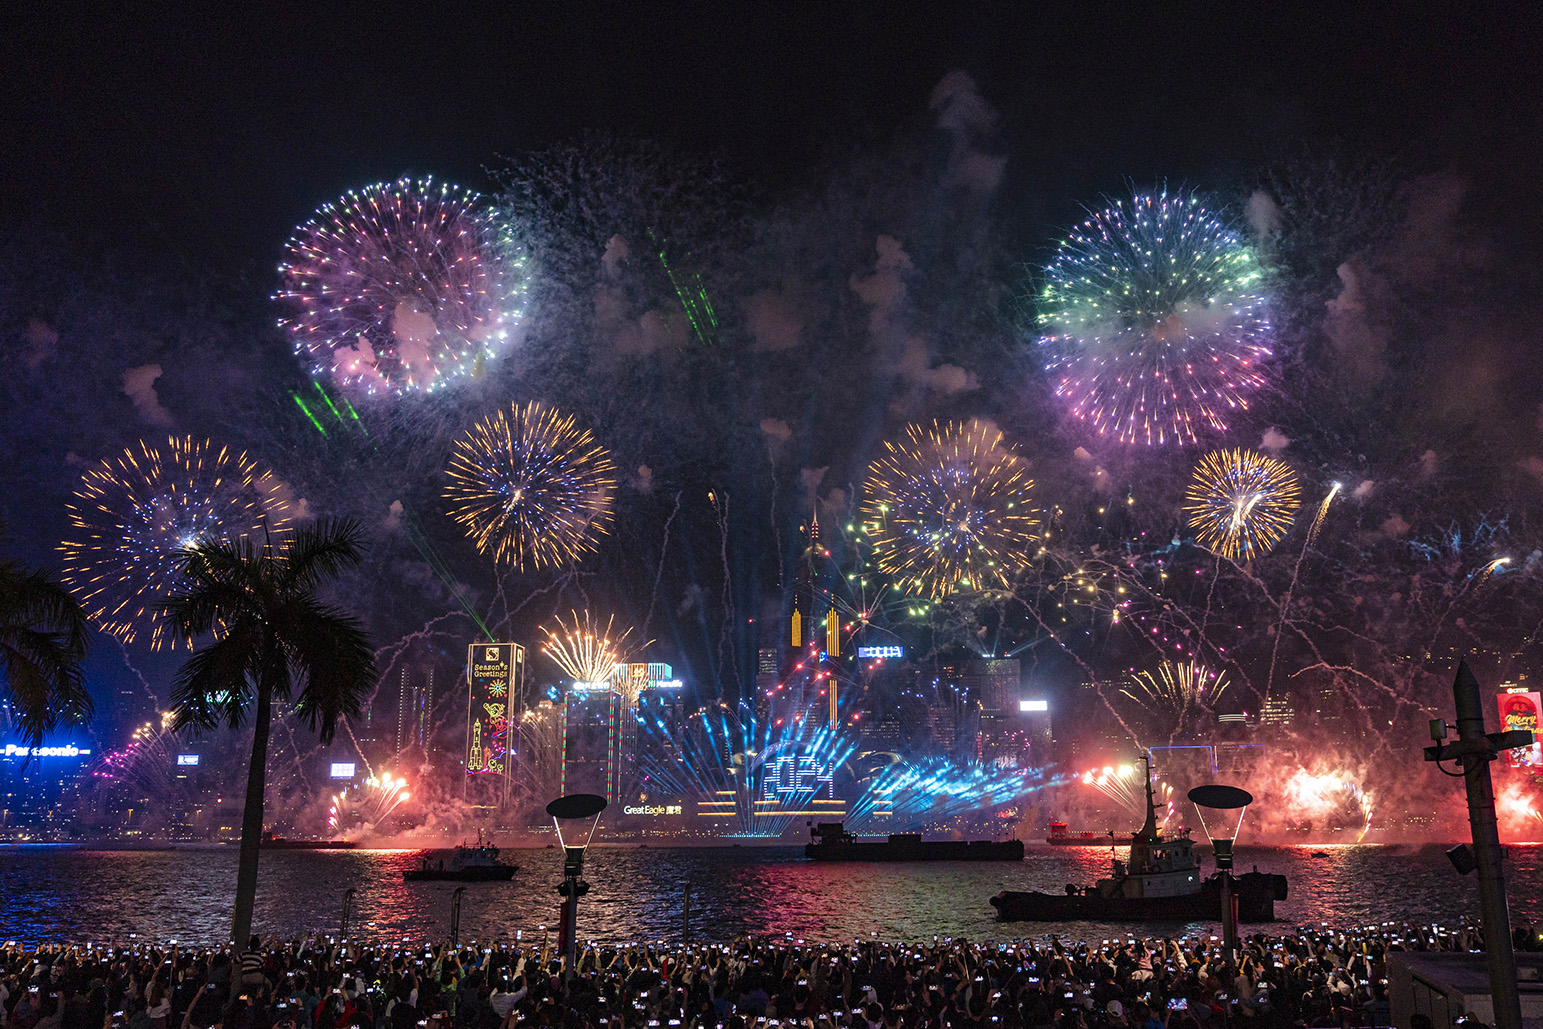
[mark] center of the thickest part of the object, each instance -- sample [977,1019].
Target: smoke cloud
[971,123]
[139,386]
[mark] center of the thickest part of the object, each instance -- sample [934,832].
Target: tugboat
[829,841]
[477,864]
[1161,882]
[1061,836]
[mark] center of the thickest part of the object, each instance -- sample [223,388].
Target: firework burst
[133,515]
[1330,799]
[948,511]
[1154,321]
[368,804]
[1177,689]
[402,286]
[1125,785]
[1240,503]
[531,488]
[586,650]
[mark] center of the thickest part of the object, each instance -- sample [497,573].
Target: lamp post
[573,807]
[1224,798]
[1474,750]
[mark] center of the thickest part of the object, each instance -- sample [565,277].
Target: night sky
[203,134]
[152,165]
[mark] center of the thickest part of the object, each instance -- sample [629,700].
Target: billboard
[1519,710]
[1033,705]
[875,652]
[187,760]
[343,769]
[492,674]
[12,750]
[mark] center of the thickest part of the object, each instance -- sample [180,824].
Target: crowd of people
[1315,978]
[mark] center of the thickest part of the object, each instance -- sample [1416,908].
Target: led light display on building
[1519,710]
[187,760]
[492,673]
[870,652]
[1033,705]
[343,769]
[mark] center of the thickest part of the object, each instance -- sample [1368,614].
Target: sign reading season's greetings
[492,672]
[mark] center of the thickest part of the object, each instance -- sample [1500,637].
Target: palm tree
[271,633]
[43,638]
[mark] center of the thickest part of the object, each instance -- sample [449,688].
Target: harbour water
[60,893]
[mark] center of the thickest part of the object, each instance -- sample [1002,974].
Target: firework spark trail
[725,637]
[1323,509]
[1155,325]
[403,286]
[123,649]
[133,515]
[948,510]
[1490,569]
[664,546]
[393,652]
[1296,572]
[1125,786]
[531,488]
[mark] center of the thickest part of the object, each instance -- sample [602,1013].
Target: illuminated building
[995,682]
[1278,710]
[42,788]
[588,739]
[600,727]
[1087,728]
[494,672]
[415,702]
[883,733]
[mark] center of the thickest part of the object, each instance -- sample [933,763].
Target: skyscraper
[415,704]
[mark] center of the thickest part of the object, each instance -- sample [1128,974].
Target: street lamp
[1224,799]
[573,807]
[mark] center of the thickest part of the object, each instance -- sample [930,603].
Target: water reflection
[53,893]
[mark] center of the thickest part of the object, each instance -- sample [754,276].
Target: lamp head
[1222,801]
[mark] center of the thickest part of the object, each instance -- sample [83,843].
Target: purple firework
[1154,320]
[400,287]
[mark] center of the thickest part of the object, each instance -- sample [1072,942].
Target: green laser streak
[296,398]
[330,405]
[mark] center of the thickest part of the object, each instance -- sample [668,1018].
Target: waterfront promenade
[1308,977]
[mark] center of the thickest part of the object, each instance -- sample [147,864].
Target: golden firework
[586,650]
[133,515]
[947,509]
[1241,503]
[531,488]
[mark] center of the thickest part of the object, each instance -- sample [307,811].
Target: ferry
[1160,881]
[829,841]
[1061,836]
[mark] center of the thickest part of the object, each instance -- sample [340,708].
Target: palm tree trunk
[252,816]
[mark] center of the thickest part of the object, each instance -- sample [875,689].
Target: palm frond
[215,685]
[333,660]
[322,552]
[32,599]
